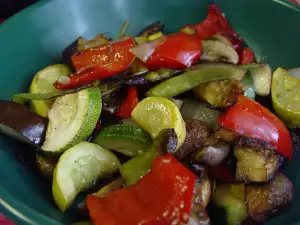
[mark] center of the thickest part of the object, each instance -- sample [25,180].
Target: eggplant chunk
[201,197]
[212,154]
[46,165]
[152,29]
[257,160]
[267,200]
[219,94]
[196,133]
[226,135]
[18,122]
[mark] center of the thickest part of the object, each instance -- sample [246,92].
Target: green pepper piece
[195,76]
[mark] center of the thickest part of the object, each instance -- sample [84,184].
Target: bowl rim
[16,210]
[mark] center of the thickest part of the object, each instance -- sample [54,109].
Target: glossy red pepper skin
[162,197]
[129,103]
[249,118]
[179,51]
[246,56]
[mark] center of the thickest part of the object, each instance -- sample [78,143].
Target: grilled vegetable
[194,109]
[248,85]
[196,134]
[231,197]
[125,139]
[46,165]
[18,122]
[257,160]
[226,135]
[117,184]
[219,93]
[266,200]
[215,50]
[213,153]
[262,79]
[140,165]
[152,29]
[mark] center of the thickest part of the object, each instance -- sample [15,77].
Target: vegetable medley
[171,119]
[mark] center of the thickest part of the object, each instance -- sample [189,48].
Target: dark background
[10,7]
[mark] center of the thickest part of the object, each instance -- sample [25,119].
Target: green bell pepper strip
[195,76]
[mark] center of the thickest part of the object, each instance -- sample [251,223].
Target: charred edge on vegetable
[226,135]
[166,141]
[267,200]
[196,133]
[220,94]
[257,160]
[152,29]
[46,165]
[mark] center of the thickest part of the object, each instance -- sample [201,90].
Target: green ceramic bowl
[35,37]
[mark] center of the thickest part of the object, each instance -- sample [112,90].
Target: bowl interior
[35,38]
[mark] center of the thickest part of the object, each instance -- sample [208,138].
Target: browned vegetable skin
[213,152]
[226,135]
[196,133]
[20,123]
[267,200]
[152,29]
[46,165]
[220,94]
[202,194]
[257,160]
[114,185]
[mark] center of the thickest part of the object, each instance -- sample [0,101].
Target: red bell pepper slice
[129,103]
[249,118]
[246,56]
[179,51]
[162,197]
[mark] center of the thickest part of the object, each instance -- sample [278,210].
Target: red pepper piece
[246,56]
[129,103]
[249,118]
[177,52]
[114,57]
[162,197]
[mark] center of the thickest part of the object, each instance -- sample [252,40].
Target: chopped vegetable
[129,103]
[267,200]
[177,52]
[295,72]
[46,165]
[261,79]
[219,94]
[161,197]
[226,135]
[194,109]
[78,168]
[231,198]
[216,50]
[155,114]
[246,56]
[72,119]
[125,139]
[20,123]
[115,185]
[249,118]
[194,77]
[248,85]
[196,134]
[152,29]
[257,160]
[285,97]
[140,165]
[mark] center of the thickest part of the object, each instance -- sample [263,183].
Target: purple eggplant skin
[20,123]
[152,29]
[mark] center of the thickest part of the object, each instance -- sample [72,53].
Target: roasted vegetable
[262,79]
[46,165]
[257,160]
[215,50]
[219,94]
[266,200]
[152,29]
[18,122]
[202,191]
[248,86]
[80,44]
[231,197]
[140,165]
[196,133]
[226,135]
[194,109]
[116,184]
[213,152]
